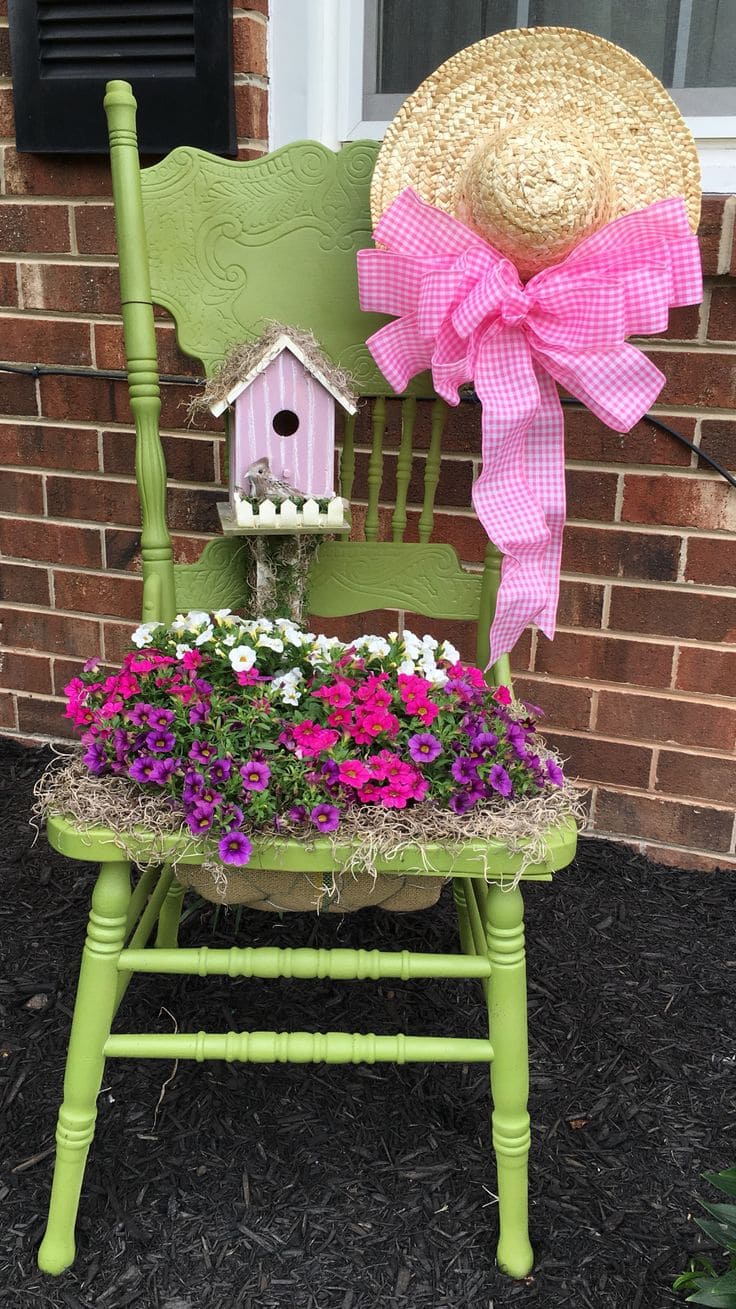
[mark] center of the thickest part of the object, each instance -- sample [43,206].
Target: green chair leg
[93,1014]
[167,935]
[509,1075]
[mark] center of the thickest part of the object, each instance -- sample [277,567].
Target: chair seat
[99,844]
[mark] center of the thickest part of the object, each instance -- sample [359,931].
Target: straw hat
[537,137]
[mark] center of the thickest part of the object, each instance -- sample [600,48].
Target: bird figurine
[262,484]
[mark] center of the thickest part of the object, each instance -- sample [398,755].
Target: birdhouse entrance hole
[285,422]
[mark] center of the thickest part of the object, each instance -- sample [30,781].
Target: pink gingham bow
[462,311]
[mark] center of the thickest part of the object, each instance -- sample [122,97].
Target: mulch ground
[365,1188]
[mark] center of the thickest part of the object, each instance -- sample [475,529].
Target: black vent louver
[176,53]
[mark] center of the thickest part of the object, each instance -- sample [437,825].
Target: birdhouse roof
[259,354]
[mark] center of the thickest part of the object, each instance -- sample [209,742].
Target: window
[341,68]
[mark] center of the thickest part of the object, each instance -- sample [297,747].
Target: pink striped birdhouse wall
[288,416]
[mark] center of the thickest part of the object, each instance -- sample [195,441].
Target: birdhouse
[283,391]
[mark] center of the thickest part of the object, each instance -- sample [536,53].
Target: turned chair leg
[93,1013]
[167,935]
[509,1075]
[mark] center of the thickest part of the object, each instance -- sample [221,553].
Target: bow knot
[462,310]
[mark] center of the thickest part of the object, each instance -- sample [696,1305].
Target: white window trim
[316,86]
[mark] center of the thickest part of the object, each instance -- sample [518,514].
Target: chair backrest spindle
[403,467]
[432,469]
[375,468]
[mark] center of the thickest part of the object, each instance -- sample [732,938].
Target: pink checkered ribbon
[462,311]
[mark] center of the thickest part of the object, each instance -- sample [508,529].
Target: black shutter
[176,53]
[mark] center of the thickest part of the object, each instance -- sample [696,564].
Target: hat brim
[578,79]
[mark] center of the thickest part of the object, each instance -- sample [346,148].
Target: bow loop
[464,312]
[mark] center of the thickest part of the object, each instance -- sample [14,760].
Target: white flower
[242,658]
[408,666]
[412,646]
[271,643]
[376,646]
[449,652]
[393,636]
[196,618]
[181,650]
[429,643]
[230,639]
[433,674]
[179,625]
[142,635]
[221,614]
[205,636]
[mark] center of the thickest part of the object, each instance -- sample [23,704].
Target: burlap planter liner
[278,892]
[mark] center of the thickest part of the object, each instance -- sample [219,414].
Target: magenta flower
[235,848]
[297,813]
[424,748]
[337,696]
[500,780]
[157,717]
[200,817]
[194,784]
[138,715]
[326,817]
[502,695]
[353,773]
[202,752]
[255,775]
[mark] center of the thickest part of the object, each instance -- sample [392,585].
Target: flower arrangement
[253,726]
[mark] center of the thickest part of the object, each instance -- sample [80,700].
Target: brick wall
[639,684]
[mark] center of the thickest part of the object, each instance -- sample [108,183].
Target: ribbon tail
[546,473]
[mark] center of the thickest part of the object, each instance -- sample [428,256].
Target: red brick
[72,288]
[251,112]
[722,316]
[586,437]
[697,378]
[465,533]
[691,860]
[94,593]
[48,447]
[620,554]
[453,490]
[71,175]
[42,717]
[709,231]
[25,672]
[187,549]
[375,621]
[188,459]
[7,117]
[193,511]
[257,6]
[666,719]
[7,711]
[21,493]
[589,759]
[683,323]
[45,340]
[697,776]
[62,672]
[246,153]
[95,229]
[8,286]
[4,52]
[680,501]
[673,613]
[249,45]
[50,542]
[122,549]
[94,398]
[461,434]
[117,637]
[604,659]
[565,706]
[711,559]
[174,404]
[40,630]
[29,585]
[718,439]
[17,394]
[711,672]
[92,498]
[590,494]
[110,351]
[663,820]
[34,228]
[580,604]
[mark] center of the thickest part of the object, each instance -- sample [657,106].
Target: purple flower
[208,796]
[330,772]
[484,741]
[204,688]
[202,752]
[230,816]
[157,717]
[200,816]
[220,770]
[462,801]
[199,713]
[500,780]
[424,747]
[91,664]
[255,775]
[326,817]
[138,715]
[465,770]
[160,742]
[193,785]
[165,768]
[554,773]
[517,738]
[120,744]
[235,848]
[297,813]
[96,759]
[143,769]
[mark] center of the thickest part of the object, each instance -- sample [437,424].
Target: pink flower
[138,663]
[426,711]
[501,695]
[248,678]
[112,706]
[311,739]
[191,659]
[375,722]
[342,719]
[374,693]
[411,686]
[353,773]
[337,696]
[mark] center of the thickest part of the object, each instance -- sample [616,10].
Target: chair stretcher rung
[298,1047]
[268,961]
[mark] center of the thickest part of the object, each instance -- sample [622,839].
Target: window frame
[317,68]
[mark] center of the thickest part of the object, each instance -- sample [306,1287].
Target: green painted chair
[223,246]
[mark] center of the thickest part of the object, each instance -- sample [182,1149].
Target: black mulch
[358,1188]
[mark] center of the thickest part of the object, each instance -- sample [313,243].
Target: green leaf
[725,1181]
[712,1297]
[725,1213]
[718,1233]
